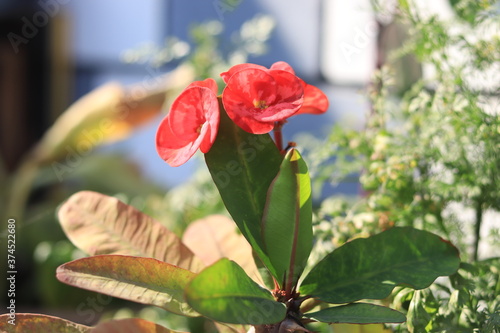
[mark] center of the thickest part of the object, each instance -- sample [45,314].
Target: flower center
[198,130]
[260,104]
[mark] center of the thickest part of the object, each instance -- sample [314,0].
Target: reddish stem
[278,135]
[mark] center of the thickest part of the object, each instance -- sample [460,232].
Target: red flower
[315,101]
[192,123]
[255,97]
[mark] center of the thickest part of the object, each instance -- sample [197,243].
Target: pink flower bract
[255,97]
[192,123]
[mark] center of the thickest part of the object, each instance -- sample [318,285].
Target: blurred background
[122,62]
[56,51]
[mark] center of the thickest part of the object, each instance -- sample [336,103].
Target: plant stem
[477,227]
[278,135]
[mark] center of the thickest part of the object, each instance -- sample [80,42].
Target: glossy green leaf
[28,322]
[130,325]
[141,280]
[223,292]
[287,220]
[357,313]
[243,165]
[370,268]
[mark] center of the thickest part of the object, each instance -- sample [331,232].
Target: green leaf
[370,268]
[287,220]
[243,165]
[100,224]
[27,322]
[223,292]
[357,313]
[137,279]
[135,325]
[418,317]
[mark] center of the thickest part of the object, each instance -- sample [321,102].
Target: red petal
[245,88]
[210,128]
[278,112]
[166,138]
[256,127]
[280,91]
[192,123]
[188,112]
[207,83]
[172,150]
[251,85]
[289,97]
[315,101]
[207,142]
[227,75]
[242,114]
[283,66]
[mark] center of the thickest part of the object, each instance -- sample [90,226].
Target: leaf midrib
[89,276]
[247,173]
[226,296]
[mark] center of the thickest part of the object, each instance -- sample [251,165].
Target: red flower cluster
[255,98]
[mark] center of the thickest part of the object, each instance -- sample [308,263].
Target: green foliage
[243,165]
[468,301]
[370,268]
[289,207]
[269,197]
[424,159]
[224,292]
[44,323]
[435,146]
[358,313]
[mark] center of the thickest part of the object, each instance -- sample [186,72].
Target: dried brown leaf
[132,325]
[215,237]
[99,224]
